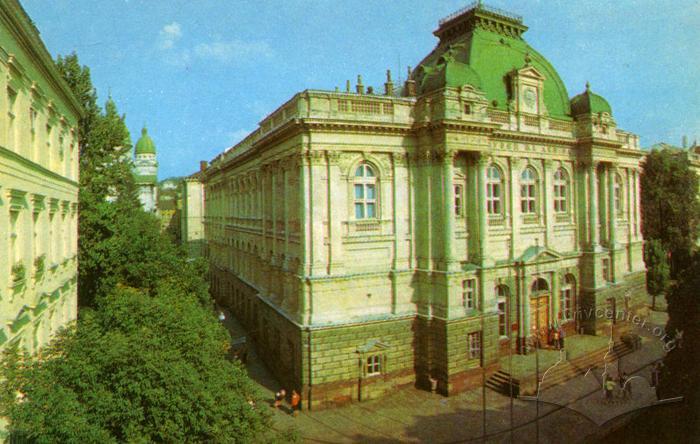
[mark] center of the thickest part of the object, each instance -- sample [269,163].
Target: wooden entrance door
[539,308]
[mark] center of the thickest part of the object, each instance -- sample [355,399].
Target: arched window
[540,286]
[365,192]
[561,183]
[567,298]
[528,180]
[502,292]
[493,190]
[618,194]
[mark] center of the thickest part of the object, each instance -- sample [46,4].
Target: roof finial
[588,86]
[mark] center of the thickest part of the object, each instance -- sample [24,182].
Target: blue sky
[202,74]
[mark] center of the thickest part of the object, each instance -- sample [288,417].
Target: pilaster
[482,163]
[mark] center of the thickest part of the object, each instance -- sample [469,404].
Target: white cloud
[233,50]
[169,35]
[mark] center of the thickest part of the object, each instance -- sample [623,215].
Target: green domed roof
[589,103]
[145,144]
[485,47]
[448,72]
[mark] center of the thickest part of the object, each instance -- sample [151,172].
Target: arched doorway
[539,308]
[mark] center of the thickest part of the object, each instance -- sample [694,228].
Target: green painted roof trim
[589,103]
[491,58]
[145,144]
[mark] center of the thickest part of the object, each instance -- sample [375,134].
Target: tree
[670,210]
[657,269]
[139,368]
[107,196]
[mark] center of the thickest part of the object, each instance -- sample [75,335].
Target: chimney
[410,85]
[360,88]
[685,141]
[347,86]
[389,85]
[203,165]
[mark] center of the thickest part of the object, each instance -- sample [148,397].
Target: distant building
[146,171]
[192,215]
[368,241]
[38,187]
[169,205]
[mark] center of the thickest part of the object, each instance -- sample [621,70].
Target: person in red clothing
[296,403]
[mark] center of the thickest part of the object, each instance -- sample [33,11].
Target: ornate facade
[369,241]
[38,187]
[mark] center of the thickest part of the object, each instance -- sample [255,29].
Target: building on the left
[38,187]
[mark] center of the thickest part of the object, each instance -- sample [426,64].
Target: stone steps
[558,374]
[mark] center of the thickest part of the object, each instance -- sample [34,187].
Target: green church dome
[589,103]
[145,144]
[482,46]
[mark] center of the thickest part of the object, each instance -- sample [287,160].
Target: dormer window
[467,108]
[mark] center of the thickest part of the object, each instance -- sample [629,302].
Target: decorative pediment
[536,254]
[530,72]
[372,346]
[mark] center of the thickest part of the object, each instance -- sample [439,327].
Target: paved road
[571,412]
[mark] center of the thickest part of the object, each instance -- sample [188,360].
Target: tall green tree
[657,269]
[107,196]
[139,368]
[670,210]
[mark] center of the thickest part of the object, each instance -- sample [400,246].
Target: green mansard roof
[482,46]
[145,144]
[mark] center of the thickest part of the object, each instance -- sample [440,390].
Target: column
[612,211]
[482,164]
[637,206]
[594,240]
[448,209]
[548,202]
[337,193]
[317,201]
[516,165]
[273,210]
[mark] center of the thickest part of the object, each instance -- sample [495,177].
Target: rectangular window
[374,365]
[502,322]
[359,211]
[606,269]
[370,210]
[459,199]
[469,294]
[475,345]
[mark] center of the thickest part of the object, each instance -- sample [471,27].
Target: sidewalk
[567,413]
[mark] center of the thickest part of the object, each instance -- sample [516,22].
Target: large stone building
[146,171]
[192,214]
[38,187]
[373,240]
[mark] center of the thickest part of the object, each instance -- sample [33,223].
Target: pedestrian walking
[296,403]
[562,334]
[279,397]
[556,339]
[622,380]
[608,386]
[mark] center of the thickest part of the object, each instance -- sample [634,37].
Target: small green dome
[145,144]
[589,103]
